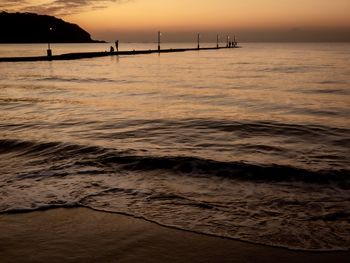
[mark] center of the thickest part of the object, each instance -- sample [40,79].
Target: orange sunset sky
[251,20]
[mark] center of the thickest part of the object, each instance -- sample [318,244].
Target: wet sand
[85,235]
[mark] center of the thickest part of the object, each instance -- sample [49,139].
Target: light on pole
[198,40]
[49,51]
[159,34]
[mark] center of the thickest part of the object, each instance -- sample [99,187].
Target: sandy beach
[85,235]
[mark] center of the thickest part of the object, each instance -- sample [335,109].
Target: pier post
[198,39]
[159,34]
[49,51]
[228,39]
[217,41]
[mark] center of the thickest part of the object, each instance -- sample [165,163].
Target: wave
[290,69]
[195,166]
[266,127]
[241,129]
[332,82]
[336,91]
[84,80]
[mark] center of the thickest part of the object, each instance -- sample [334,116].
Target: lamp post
[217,41]
[159,34]
[228,39]
[198,40]
[49,51]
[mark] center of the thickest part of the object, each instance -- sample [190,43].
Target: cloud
[10,4]
[56,7]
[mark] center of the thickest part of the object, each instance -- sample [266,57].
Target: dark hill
[33,28]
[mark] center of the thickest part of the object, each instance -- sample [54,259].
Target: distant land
[34,28]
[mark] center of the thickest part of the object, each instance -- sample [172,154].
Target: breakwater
[82,55]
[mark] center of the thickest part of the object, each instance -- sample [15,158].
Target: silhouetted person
[117,45]
[112,49]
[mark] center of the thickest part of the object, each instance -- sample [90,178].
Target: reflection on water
[233,142]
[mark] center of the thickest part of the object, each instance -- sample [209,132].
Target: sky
[181,20]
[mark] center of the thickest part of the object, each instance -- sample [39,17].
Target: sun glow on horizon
[211,14]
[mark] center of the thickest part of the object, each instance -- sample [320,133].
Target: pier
[82,55]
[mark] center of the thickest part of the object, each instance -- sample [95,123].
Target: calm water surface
[250,143]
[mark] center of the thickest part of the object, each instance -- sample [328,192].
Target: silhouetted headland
[34,28]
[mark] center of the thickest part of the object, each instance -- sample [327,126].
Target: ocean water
[251,143]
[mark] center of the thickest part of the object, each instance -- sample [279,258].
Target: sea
[251,143]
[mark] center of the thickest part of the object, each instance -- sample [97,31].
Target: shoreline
[87,235]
